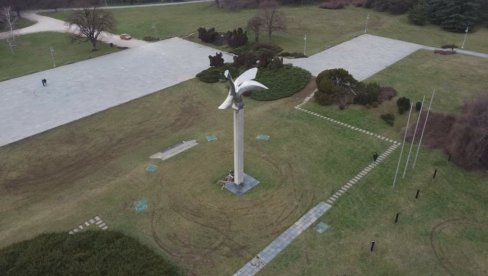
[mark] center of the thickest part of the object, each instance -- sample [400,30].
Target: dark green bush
[403,105]
[293,55]
[418,15]
[217,60]
[207,36]
[388,118]
[368,95]
[236,38]
[87,253]
[282,82]
[338,84]
[214,74]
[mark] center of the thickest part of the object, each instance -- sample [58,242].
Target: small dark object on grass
[372,246]
[435,173]
[396,217]
[417,195]
[444,52]
[449,46]
[386,93]
[150,38]
[388,118]
[375,156]
[418,106]
[111,45]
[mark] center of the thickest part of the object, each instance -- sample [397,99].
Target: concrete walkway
[87,87]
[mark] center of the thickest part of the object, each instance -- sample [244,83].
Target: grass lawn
[445,231]
[96,166]
[32,53]
[324,28]
[23,23]
[456,79]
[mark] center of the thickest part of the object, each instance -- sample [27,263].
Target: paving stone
[98,222]
[92,221]
[97,218]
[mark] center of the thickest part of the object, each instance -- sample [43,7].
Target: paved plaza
[362,56]
[84,88]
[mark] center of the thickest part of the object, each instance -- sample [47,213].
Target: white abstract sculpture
[244,83]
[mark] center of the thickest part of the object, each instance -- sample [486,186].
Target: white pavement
[362,56]
[87,87]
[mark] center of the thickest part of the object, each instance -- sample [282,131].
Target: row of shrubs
[235,38]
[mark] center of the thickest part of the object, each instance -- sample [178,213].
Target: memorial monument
[244,83]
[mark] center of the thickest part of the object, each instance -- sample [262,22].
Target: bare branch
[90,23]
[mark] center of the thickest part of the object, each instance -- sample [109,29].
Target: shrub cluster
[282,80]
[337,86]
[236,38]
[217,60]
[207,36]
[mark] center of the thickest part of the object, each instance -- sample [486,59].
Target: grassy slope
[368,211]
[32,53]
[455,78]
[324,28]
[96,166]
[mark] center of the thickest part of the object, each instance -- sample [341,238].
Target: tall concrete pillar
[238,146]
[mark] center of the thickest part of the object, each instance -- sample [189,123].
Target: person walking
[44,82]
[375,156]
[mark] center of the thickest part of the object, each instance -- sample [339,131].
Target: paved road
[84,88]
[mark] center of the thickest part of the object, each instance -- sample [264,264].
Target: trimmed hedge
[282,82]
[87,253]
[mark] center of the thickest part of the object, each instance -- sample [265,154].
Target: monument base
[248,183]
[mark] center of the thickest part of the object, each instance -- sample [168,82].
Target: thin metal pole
[465,36]
[52,56]
[413,139]
[403,145]
[305,45]
[366,25]
[423,129]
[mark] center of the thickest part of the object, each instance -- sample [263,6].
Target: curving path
[48,24]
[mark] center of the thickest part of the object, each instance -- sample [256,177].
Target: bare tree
[273,19]
[9,19]
[90,23]
[255,24]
